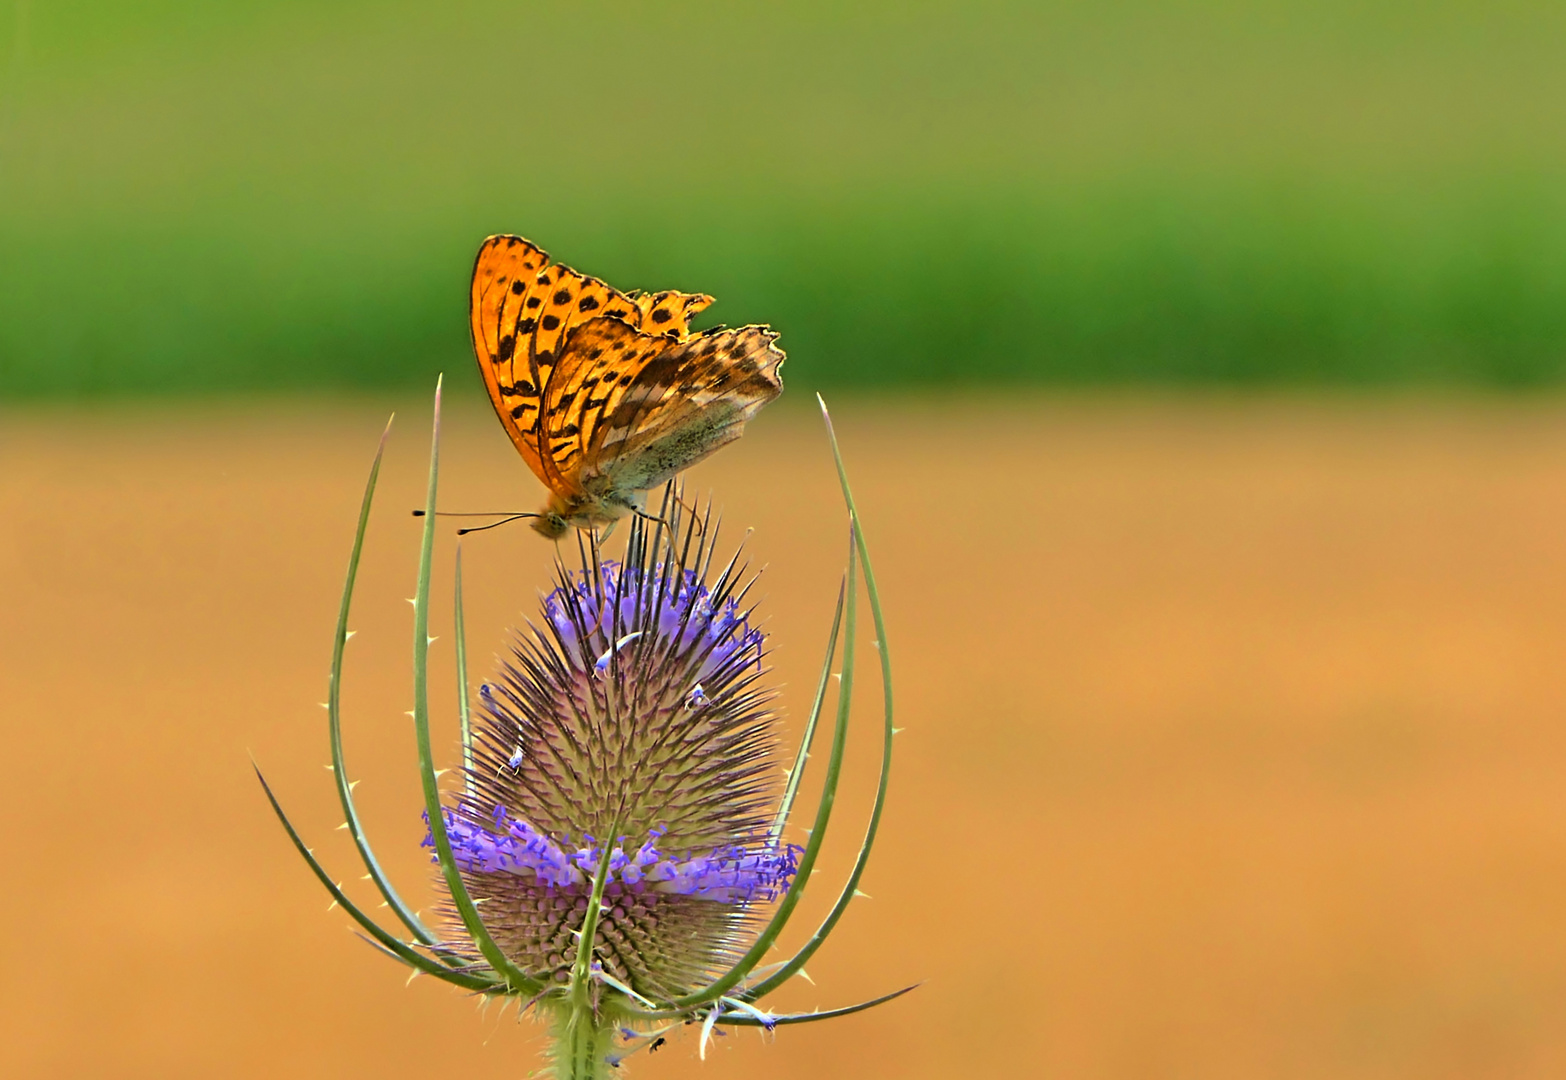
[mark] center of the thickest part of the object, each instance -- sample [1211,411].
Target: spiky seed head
[636,704]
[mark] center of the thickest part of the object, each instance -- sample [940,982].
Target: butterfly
[607,393]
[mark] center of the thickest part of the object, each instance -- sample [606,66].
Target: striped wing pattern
[625,411]
[523,310]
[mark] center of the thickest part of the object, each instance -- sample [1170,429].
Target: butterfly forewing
[668,312]
[505,266]
[522,309]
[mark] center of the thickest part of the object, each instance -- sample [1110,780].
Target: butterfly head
[550,525]
[562,514]
[588,510]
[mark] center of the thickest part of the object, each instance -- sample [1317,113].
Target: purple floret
[680,613]
[728,875]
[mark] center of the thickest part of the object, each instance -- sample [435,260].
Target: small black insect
[659,1041]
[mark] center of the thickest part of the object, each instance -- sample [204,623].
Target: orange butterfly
[607,394]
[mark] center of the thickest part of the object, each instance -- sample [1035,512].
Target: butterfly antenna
[675,493]
[475,513]
[496,524]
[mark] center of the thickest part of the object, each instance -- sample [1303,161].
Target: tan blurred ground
[1236,737]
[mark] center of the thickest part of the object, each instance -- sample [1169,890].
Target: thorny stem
[583,1046]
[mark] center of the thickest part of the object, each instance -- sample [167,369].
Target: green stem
[583,1045]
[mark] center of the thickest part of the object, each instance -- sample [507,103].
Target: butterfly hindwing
[720,380]
[627,410]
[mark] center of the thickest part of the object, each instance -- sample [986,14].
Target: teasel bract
[614,857]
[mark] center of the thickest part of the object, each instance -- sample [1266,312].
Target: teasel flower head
[613,854]
[633,717]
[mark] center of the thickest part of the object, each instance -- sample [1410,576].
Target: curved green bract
[586,1032]
[516,980]
[464,713]
[802,957]
[334,718]
[797,773]
[380,937]
[807,1018]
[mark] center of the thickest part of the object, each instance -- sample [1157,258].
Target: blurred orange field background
[1235,735]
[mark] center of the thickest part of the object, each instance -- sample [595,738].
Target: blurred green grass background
[278,194]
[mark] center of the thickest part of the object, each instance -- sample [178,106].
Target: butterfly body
[607,394]
[585,511]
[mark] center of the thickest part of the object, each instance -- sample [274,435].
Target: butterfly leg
[645,516]
[690,508]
